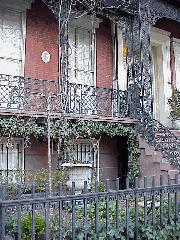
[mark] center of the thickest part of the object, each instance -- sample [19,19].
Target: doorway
[122,148]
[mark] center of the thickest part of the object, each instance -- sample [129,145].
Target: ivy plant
[66,131]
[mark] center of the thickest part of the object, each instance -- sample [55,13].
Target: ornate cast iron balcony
[28,94]
[91,100]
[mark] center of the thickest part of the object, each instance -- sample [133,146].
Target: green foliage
[26,227]
[10,181]
[174,103]
[11,225]
[42,176]
[65,131]
[26,179]
[101,186]
[170,230]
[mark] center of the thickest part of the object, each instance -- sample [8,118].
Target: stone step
[173,173]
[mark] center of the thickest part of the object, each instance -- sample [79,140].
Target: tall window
[11,57]
[11,43]
[81,54]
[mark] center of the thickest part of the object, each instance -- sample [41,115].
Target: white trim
[175,40]
[160,31]
[160,40]
[76,165]
[122,71]
[176,56]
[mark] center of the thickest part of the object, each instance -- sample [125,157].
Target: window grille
[83,152]
[11,155]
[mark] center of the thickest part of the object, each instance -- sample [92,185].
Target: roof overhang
[19,5]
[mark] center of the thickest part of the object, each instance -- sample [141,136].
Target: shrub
[174,103]
[26,227]
[11,225]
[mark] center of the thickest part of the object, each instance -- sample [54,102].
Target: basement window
[11,155]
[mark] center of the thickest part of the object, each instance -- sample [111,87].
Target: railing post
[60,212]
[19,213]
[73,212]
[47,211]
[96,208]
[117,205]
[85,213]
[33,213]
[153,201]
[107,207]
[176,199]
[145,201]
[127,210]
[169,200]
[1,217]
[136,209]
[2,212]
[161,202]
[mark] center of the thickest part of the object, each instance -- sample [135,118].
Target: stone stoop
[153,163]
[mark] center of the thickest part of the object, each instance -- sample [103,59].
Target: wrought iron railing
[162,139]
[85,99]
[31,94]
[27,93]
[80,215]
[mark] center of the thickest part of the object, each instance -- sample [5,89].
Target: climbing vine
[65,131]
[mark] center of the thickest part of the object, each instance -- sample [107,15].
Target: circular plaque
[46,56]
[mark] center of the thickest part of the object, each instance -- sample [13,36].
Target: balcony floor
[23,113]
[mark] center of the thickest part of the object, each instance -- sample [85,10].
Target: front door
[161,74]
[81,69]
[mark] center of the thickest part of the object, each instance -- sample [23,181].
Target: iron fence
[30,94]
[117,214]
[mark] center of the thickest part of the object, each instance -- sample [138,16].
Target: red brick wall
[41,35]
[104,54]
[36,156]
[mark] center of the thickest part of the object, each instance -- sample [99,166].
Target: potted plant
[174,103]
